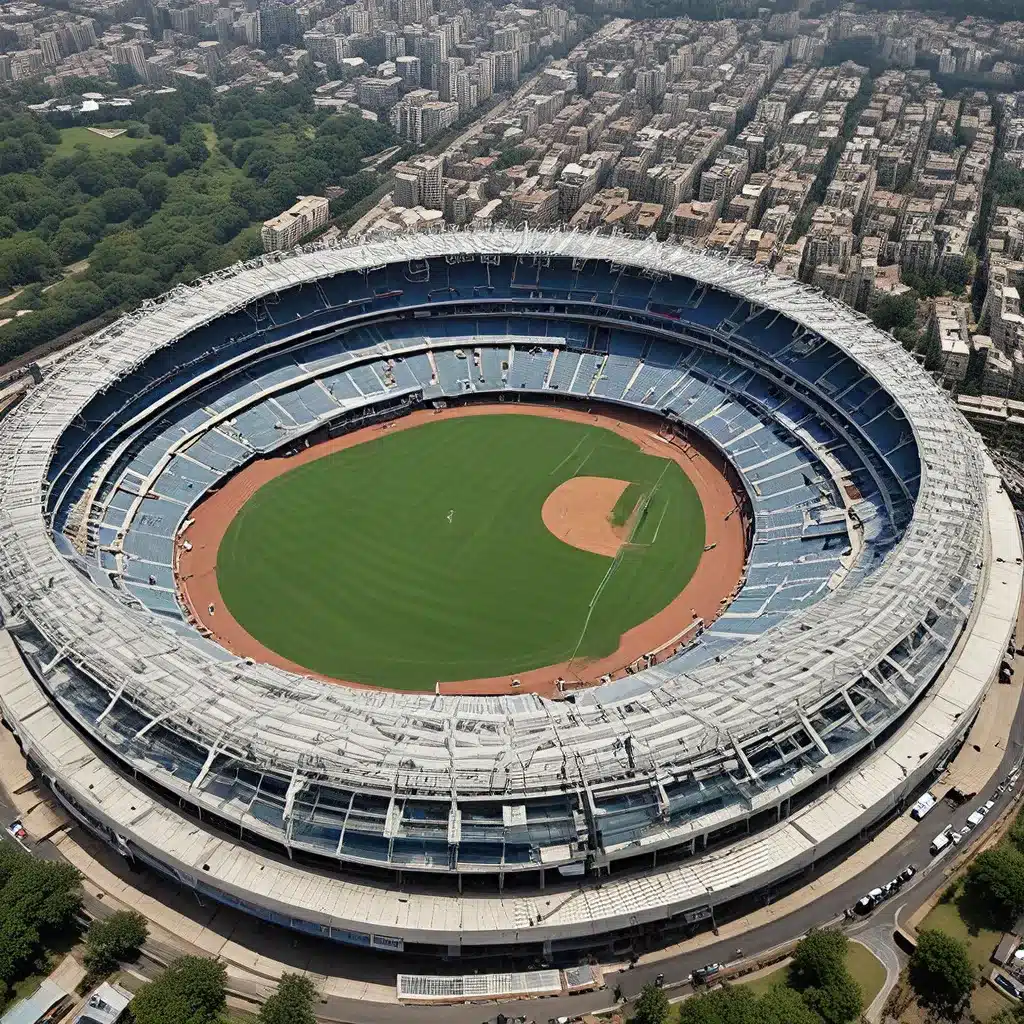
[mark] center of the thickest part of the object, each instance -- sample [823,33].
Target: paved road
[828,908]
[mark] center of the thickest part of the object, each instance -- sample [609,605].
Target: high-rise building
[379,93]
[408,69]
[467,91]
[279,23]
[506,68]
[448,77]
[49,46]
[185,20]
[131,54]
[485,66]
[394,46]
[248,28]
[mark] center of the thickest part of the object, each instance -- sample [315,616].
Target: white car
[956,837]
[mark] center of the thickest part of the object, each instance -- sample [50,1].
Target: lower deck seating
[775,439]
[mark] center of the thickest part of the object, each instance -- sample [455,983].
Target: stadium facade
[879,597]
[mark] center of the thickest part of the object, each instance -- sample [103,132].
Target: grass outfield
[349,564]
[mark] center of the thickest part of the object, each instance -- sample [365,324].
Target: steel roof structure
[903,619]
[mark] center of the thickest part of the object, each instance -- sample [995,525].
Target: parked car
[1003,982]
[907,874]
[989,804]
[17,830]
[941,841]
[956,837]
[868,903]
[703,974]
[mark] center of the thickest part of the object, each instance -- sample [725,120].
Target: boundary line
[569,456]
[643,504]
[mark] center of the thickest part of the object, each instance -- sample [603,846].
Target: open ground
[692,583]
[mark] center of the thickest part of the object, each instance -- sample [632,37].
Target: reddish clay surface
[578,512]
[705,596]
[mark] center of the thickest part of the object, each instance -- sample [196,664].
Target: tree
[125,74]
[818,958]
[941,971]
[895,311]
[996,881]
[113,939]
[838,1002]
[731,1004]
[25,258]
[292,1003]
[651,1006]
[820,974]
[38,900]
[120,203]
[737,1004]
[780,1005]
[153,187]
[190,991]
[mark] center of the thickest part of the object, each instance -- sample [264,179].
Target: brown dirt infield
[705,595]
[578,513]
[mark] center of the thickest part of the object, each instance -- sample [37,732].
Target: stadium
[285,618]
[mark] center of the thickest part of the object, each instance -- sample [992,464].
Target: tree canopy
[941,971]
[185,200]
[291,1003]
[738,1004]
[651,1006]
[995,880]
[190,991]
[819,973]
[113,939]
[38,902]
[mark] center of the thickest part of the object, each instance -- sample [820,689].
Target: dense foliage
[820,990]
[292,1003]
[737,1004]
[114,939]
[38,903]
[819,973]
[190,991]
[941,972]
[651,1006]
[995,881]
[182,198]
[1007,184]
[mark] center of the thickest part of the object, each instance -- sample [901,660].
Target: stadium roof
[432,744]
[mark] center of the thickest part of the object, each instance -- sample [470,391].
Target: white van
[922,807]
[940,842]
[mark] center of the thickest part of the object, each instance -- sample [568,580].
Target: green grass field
[867,970]
[70,137]
[349,564]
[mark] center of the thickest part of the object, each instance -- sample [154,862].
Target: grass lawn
[986,1002]
[952,919]
[349,565]
[867,971]
[70,137]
